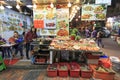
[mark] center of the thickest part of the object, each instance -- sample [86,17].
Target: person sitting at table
[30,35]
[5,50]
[18,41]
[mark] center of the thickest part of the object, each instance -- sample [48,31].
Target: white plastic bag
[114,59]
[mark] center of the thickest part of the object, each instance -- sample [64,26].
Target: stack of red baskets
[65,69]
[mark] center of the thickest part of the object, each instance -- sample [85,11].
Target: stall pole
[51,57]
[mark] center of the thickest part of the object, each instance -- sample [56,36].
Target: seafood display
[83,44]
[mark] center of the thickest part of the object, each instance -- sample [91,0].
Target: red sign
[38,23]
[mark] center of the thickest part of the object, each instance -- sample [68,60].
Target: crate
[74,72]
[102,75]
[41,60]
[52,72]
[86,74]
[105,62]
[63,73]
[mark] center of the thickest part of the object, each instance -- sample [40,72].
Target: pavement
[111,47]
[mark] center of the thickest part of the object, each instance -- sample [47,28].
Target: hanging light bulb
[51,5]
[34,6]
[18,6]
[2,7]
[76,19]
[69,4]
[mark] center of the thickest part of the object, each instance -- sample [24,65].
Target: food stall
[54,21]
[59,44]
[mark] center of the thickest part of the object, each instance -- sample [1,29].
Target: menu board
[94,12]
[52,21]
[38,17]
[45,18]
[50,18]
[47,32]
[62,22]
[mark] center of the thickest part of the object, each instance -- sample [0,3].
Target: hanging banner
[50,18]
[52,21]
[38,18]
[62,22]
[45,20]
[108,2]
[94,12]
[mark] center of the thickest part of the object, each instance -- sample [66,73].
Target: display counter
[58,45]
[72,45]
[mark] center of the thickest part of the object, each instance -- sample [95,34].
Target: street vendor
[30,35]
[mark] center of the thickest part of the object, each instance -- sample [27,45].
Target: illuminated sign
[108,2]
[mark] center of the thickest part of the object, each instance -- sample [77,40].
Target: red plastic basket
[63,73]
[52,73]
[41,60]
[74,70]
[86,74]
[102,75]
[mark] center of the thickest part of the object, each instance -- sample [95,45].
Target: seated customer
[5,50]
[18,40]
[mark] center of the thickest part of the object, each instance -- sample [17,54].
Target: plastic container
[102,75]
[41,60]
[87,73]
[104,56]
[105,62]
[74,70]
[52,70]
[63,72]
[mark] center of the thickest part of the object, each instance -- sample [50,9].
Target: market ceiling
[26,9]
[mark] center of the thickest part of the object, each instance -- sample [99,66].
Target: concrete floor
[111,48]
